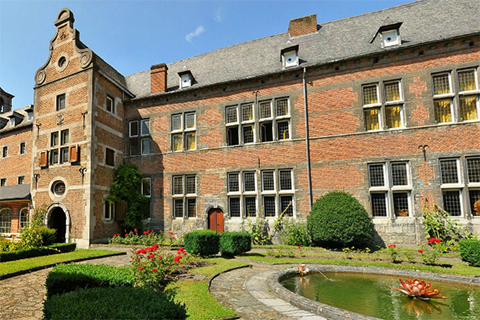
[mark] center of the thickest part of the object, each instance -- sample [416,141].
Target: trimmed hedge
[470,252]
[69,277]
[235,243]
[26,253]
[338,220]
[113,303]
[64,247]
[202,242]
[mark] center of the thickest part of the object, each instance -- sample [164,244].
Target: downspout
[307,140]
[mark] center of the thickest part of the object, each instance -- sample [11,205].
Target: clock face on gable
[59,188]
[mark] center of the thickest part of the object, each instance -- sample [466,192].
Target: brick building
[383,105]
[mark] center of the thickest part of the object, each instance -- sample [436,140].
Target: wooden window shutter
[74,153]
[43,159]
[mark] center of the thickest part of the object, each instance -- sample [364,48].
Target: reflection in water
[371,295]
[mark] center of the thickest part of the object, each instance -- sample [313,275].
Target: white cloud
[196,33]
[218,15]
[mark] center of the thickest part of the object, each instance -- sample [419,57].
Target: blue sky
[133,35]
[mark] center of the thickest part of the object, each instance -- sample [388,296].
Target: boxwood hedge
[235,243]
[470,252]
[202,242]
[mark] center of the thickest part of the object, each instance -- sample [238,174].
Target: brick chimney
[158,78]
[303,25]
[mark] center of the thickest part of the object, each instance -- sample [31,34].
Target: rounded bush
[470,252]
[235,243]
[202,242]
[338,220]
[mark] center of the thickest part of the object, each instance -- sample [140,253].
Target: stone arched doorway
[215,220]
[58,218]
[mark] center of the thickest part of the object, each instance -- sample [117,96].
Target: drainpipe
[307,139]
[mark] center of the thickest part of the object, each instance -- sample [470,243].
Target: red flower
[139,251]
[144,232]
[135,230]
[170,233]
[298,247]
[392,246]
[140,268]
[114,235]
[420,251]
[434,240]
[154,270]
[159,257]
[126,234]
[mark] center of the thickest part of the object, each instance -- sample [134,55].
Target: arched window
[5,220]
[23,218]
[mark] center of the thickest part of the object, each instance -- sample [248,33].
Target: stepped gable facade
[383,105]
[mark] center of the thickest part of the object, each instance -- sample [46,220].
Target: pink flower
[154,269]
[420,251]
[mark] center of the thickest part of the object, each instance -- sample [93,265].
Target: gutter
[307,139]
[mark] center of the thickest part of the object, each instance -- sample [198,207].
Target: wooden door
[215,220]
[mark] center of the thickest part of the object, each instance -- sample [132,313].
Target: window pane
[145,146]
[107,212]
[110,157]
[377,176]
[54,156]
[110,104]
[134,147]
[449,171]
[176,122]
[5,220]
[400,204]
[177,142]
[282,129]
[234,207]
[146,187]
[133,128]
[61,102]
[191,208]
[399,174]
[191,185]
[371,119]
[267,181]
[177,185]
[441,84]
[23,218]
[145,128]
[190,141]
[178,208]
[451,202]
[443,111]
[232,136]
[281,107]
[392,91]
[64,138]
[266,131]
[269,206]
[370,95]
[286,205]
[54,138]
[393,116]
[247,134]
[247,112]
[265,109]
[473,168]
[233,183]
[468,108]
[231,115]
[379,204]
[249,181]
[475,202]
[63,155]
[466,80]
[190,120]
[285,177]
[250,207]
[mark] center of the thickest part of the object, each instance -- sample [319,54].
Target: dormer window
[12,121]
[30,115]
[186,79]
[289,57]
[390,38]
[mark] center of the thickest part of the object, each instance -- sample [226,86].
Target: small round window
[61,62]
[58,188]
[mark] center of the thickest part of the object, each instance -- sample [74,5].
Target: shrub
[202,242]
[470,252]
[234,243]
[26,253]
[148,238]
[64,247]
[338,220]
[36,237]
[70,277]
[114,303]
[295,233]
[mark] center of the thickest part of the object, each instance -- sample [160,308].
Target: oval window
[58,188]
[61,62]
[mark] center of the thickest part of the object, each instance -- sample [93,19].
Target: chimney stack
[158,78]
[303,25]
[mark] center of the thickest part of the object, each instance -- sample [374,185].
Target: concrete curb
[327,311]
[21,272]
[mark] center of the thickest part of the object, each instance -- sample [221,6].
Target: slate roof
[422,22]
[20,114]
[16,192]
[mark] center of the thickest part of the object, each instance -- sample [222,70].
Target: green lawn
[24,264]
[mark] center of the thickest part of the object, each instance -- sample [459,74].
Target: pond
[371,295]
